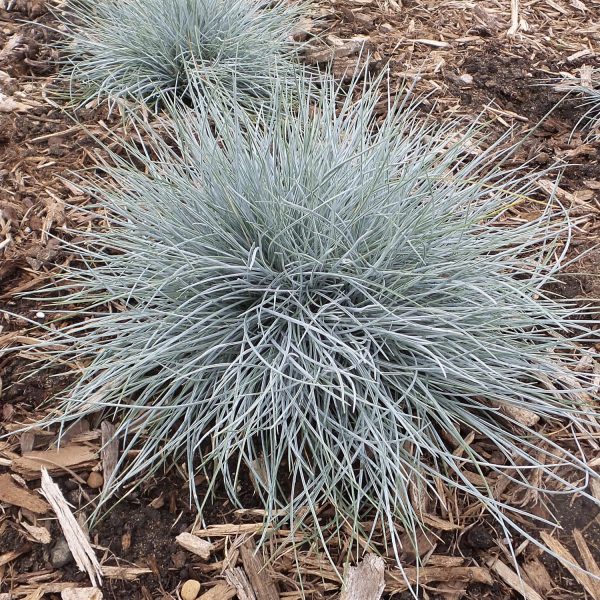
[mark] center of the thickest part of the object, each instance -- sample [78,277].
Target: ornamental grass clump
[145,49]
[337,304]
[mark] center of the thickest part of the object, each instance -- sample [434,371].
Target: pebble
[95,480]
[60,555]
[190,590]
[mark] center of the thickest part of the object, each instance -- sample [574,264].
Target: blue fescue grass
[145,49]
[332,302]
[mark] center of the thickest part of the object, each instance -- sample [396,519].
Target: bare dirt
[506,78]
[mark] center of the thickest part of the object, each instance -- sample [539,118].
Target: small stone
[95,480]
[190,590]
[60,555]
[466,79]
[40,315]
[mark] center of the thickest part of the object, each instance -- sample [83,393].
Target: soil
[41,144]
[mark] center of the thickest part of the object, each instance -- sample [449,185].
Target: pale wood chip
[30,590]
[589,561]
[438,523]
[124,573]
[77,540]
[346,48]
[81,594]
[366,581]
[238,579]
[255,569]
[39,534]
[12,43]
[8,104]
[27,440]
[196,545]
[434,43]
[591,585]
[586,73]
[579,5]
[16,495]
[227,529]
[396,581]
[514,18]
[513,580]
[521,415]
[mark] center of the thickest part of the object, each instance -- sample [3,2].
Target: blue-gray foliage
[335,302]
[144,49]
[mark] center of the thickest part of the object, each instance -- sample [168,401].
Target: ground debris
[64,459]
[76,539]
[14,494]
[366,581]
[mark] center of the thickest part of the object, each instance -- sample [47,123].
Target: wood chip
[396,581]
[14,554]
[538,575]
[16,495]
[438,523]
[348,48]
[124,573]
[434,43]
[227,529]
[109,452]
[221,591]
[190,589]
[81,594]
[8,104]
[43,588]
[196,545]
[237,579]
[12,43]
[366,581]
[262,583]
[73,458]
[522,416]
[591,585]
[38,534]
[513,580]
[77,540]
[590,563]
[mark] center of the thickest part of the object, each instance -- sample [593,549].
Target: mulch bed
[494,57]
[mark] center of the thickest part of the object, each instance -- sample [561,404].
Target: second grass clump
[145,49]
[336,303]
